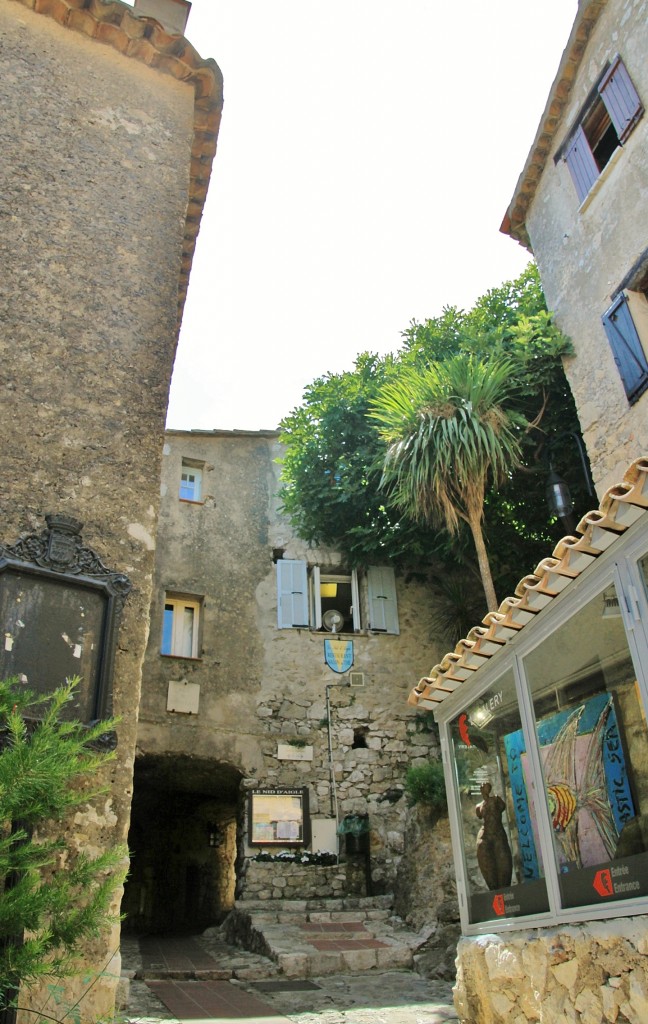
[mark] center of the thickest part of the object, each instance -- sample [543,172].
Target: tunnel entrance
[183,845]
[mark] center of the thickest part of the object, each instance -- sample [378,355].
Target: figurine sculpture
[493,850]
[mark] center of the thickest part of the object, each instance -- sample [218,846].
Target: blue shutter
[383,611]
[292,593]
[626,347]
[621,99]
[581,163]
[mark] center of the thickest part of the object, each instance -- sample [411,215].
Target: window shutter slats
[626,347]
[621,99]
[292,593]
[383,611]
[581,163]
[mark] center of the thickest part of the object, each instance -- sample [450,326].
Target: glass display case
[546,751]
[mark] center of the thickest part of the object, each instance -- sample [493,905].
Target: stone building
[272,705]
[579,206]
[542,707]
[109,127]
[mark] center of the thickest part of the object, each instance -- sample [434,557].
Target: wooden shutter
[316,597]
[626,347]
[355,601]
[292,593]
[581,163]
[621,99]
[383,611]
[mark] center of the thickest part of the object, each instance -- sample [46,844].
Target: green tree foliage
[52,898]
[332,469]
[448,436]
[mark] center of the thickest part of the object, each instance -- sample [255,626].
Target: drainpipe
[334,803]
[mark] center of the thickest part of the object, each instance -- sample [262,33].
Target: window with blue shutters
[332,601]
[603,126]
[627,349]
[383,613]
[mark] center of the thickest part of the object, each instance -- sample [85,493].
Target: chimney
[172,14]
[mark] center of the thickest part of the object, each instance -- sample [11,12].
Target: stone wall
[591,973]
[95,156]
[274,880]
[584,251]
[262,708]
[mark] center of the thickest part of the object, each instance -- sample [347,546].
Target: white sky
[367,155]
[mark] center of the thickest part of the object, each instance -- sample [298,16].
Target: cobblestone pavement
[393,997]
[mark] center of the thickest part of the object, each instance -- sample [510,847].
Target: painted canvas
[586,783]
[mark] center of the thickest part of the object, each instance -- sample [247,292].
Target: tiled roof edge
[514,222]
[621,506]
[116,24]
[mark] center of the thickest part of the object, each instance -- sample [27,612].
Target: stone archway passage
[183,843]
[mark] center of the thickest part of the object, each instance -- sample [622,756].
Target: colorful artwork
[586,781]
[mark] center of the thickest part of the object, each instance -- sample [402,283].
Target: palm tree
[447,436]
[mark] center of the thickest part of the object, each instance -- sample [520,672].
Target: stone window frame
[621,568]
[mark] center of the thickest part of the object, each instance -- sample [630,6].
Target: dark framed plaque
[60,608]
[278,817]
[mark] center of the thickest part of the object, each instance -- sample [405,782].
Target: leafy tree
[448,434]
[332,468]
[331,471]
[52,898]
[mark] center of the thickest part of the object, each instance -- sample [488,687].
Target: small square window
[191,481]
[181,627]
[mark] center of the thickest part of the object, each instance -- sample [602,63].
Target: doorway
[183,845]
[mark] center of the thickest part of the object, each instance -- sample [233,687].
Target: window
[181,627]
[623,322]
[548,763]
[191,481]
[332,601]
[605,123]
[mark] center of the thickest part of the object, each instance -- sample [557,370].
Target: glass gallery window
[548,763]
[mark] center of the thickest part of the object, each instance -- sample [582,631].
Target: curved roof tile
[621,506]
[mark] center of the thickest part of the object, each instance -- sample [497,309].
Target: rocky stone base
[591,974]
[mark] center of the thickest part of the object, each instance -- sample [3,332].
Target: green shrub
[425,784]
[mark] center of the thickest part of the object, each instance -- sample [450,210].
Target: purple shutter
[626,348]
[621,99]
[581,163]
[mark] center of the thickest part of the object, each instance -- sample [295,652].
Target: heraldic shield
[338,654]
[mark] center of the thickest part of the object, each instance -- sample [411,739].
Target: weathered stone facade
[587,250]
[259,716]
[97,132]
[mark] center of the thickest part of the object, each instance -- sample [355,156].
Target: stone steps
[311,938]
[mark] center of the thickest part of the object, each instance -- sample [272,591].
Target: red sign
[498,905]
[603,883]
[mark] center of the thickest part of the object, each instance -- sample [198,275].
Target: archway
[183,844]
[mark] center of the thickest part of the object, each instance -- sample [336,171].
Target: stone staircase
[316,937]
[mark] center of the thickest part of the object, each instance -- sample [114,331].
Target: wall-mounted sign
[338,654]
[278,817]
[59,612]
